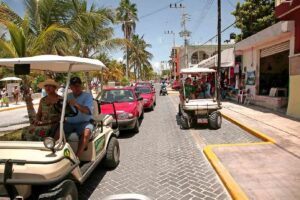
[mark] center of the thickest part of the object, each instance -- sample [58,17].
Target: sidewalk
[21,104]
[269,171]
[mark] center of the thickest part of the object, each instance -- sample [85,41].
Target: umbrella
[11,79]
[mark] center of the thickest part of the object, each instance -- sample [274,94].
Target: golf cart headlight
[49,143]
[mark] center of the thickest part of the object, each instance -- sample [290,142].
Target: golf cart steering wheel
[70,111]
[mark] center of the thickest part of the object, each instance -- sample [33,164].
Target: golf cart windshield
[198,83]
[53,63]
[117,96]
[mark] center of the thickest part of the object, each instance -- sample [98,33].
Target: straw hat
[48,82]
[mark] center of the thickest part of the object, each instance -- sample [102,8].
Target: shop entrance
[274,75]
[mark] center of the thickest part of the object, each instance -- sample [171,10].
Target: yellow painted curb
[252,131]
[233,188]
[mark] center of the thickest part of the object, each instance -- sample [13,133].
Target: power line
[158,10]
[204,13]
[217,34]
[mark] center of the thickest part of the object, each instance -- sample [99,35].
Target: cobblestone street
[162,161]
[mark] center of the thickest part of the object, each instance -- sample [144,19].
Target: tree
[253,16]
[127,15]
[139,56]
[34,34]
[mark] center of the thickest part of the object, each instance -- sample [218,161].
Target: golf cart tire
[179,111]
[136,128]
[215,120]
[184,124]
[112,158]
[65,189]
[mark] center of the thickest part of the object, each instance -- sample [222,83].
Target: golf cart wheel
[136,128]
[112,158]
[215,120]
[65,190]
[184,124]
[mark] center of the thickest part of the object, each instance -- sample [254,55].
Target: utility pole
[219,53]
[172,56]
[185,34]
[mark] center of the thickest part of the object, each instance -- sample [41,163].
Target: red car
[148,95]
[129,107]
[144,84]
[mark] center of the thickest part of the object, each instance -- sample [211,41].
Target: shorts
[78,128]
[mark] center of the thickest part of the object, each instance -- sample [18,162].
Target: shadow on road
[88,187]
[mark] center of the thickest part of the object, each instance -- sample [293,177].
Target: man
[189,89]
[80,124]
[16,93]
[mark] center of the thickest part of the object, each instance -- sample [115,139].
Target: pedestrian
[4,98]
[16,93]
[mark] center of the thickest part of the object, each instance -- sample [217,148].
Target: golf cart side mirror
[140,98]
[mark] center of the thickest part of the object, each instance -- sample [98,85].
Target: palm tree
[29,36]
[127,15]
[139,56]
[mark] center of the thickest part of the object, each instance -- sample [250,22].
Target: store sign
[250,78]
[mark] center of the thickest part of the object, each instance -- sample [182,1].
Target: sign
[99,144]
[250,78]
[67,153]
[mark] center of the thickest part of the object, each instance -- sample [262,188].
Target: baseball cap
[75,80]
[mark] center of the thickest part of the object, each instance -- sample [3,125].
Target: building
[289,10]
[195,54]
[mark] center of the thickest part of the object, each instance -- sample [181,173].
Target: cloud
[156,66]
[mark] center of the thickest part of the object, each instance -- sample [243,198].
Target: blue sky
[156,17]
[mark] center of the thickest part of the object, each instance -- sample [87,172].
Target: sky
[156,17]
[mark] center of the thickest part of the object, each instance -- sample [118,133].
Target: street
[164,162]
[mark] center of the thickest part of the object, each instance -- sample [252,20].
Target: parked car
[148,95]
[145,83]
[176,85]
[129,107]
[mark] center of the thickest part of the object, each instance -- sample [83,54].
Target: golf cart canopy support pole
[62,117]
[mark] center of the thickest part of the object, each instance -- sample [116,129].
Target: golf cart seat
[101,118]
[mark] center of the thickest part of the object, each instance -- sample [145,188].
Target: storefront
[265,63]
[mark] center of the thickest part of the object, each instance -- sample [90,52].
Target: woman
[47,117]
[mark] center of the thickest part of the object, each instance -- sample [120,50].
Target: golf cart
[200,109]
[49,169]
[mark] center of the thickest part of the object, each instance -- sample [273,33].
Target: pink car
[148,95]
[129,107]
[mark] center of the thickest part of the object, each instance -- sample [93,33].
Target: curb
[231,185]
[14,108]
[252,131]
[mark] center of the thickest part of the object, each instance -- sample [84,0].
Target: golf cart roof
[196,70]
[55,63]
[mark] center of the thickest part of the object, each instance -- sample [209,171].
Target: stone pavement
[269,171]
[162,162]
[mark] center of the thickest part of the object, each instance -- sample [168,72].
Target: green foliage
[34,84]
[253,16]
[125,82]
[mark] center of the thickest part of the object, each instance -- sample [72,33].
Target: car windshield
[117,96]
[143,90]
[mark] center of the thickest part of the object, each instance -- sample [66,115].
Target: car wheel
[179,110]
[142,115]
[155,103]
[136,128]
[112,158]
[152,107]
[65,190]
[215,120]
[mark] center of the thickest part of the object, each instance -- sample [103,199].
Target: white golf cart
[49,169]
[200,109]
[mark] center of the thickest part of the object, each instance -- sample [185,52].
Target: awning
[196,70]
[227,59]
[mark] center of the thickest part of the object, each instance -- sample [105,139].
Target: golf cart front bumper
[125,124]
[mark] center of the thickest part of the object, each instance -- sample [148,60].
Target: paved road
[164,162]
